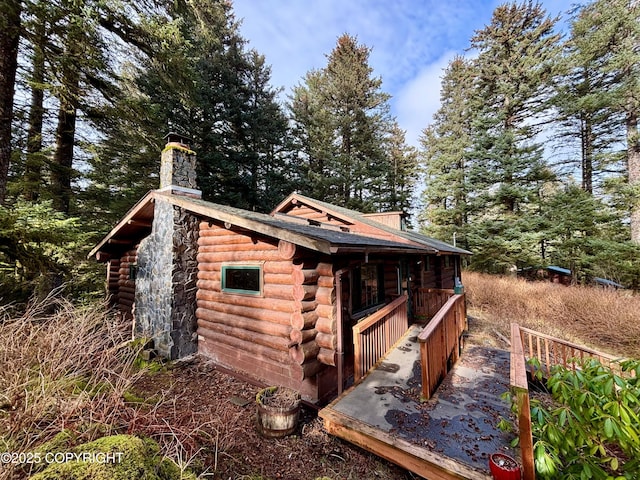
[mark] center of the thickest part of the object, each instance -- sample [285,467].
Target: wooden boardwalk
[448,437]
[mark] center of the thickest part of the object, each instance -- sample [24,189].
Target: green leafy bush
[590,428]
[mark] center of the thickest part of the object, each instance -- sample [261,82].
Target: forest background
[88,88]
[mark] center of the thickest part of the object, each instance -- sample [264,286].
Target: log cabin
[272,296]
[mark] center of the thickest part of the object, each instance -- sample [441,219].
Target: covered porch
[416,401]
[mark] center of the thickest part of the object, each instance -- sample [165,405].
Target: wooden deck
[448,437]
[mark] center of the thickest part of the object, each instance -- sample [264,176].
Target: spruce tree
[446,145]
[203,83]
[393,188]
[10,28]
[606,34]
[341,117]
[516,54]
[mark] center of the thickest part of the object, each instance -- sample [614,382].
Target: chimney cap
[173,137]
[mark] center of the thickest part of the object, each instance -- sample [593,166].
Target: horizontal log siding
[113,281]
[126,286]
[271,337]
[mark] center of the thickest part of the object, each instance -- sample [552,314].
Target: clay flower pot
[503,467]
[277,412]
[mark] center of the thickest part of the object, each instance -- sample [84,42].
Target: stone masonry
[165,298]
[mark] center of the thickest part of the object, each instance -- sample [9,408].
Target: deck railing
[427,301]
[440,343]
[549,351]
[520,389]
[552,351]
[376,334]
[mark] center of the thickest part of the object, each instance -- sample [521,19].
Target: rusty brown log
[129,296]
[270,341]
[238,247]
[325,269]
[326,340]
[250,347]
[327,311]
[302,336]
[256,302]
[281,278]
[304,292]
[213,275]
[326,296]
[327,356]
[252,256]
[125,302]
[127,289]
[303,320]
[229,239]
[274,321]
[326,325]
[286,249]
[310,369]
[282,266]
[305,276]
[326,282]
[275,267]
[304,352]
[282,292]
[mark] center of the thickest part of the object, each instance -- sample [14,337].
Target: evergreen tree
[204,84]
[395,186]
[341,118]
[446,145]
[606,34]
[10,29]
[516,54]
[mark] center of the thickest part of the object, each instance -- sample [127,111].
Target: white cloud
[419,98]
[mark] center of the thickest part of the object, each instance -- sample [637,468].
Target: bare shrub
[63,368]
[601,318]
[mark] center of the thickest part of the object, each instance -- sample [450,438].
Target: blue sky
[412,42]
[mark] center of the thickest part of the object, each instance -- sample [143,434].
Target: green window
[243,279]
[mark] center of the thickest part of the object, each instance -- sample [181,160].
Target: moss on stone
[129,457]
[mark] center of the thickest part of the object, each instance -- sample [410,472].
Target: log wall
[285,336]
[126,286]
[113,281]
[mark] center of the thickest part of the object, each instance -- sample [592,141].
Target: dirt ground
[205,419]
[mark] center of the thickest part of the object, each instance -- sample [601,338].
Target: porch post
[340,340]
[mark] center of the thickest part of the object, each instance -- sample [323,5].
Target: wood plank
[423,462]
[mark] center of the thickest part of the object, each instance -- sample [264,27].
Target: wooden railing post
[374,335]
[520,388]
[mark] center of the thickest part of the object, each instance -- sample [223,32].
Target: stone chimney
[178,167]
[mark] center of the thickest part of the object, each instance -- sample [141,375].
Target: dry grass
[73,369]
[607,320]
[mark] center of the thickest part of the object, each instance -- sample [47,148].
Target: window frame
[241,291]
[361,309]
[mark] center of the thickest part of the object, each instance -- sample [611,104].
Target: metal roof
[563,271]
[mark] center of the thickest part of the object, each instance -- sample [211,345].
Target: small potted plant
[277,411]
[503,467]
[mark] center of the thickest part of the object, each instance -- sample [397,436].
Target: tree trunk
[587,154]
[633,167]
[33,165]
[61,168]
[9,39]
